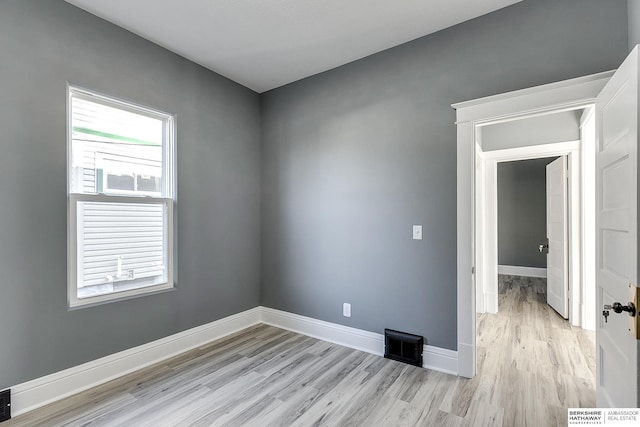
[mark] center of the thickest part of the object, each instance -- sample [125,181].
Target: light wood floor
[532,366]
[532,362]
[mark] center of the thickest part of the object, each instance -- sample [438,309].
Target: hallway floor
[532,362]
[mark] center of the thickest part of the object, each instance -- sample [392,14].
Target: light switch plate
[417,232]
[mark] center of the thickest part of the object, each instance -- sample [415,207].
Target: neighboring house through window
[121,196]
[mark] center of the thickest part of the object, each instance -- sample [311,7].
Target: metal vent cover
[403,347]
[5,405]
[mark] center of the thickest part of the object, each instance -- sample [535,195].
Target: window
[121,197]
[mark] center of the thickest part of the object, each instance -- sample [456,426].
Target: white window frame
[168,187]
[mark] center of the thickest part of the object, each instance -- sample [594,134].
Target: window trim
[168,200]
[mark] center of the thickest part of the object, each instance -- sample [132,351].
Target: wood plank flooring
[532,366]
[532,362]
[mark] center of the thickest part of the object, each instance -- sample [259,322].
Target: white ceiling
[263,44]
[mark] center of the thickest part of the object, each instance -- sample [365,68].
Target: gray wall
[44,44]
[547,129]
[351,158]
[634,23]
[522,212]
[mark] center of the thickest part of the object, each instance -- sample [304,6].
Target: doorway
[569,95]
[528,137]
[523,229]
[526,345]
[616,99]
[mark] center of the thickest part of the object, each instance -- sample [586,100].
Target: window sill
[120,296]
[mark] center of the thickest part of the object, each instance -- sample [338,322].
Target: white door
[557,259]
[616,235]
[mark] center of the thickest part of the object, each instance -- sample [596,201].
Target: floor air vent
[5,405]
[403,347]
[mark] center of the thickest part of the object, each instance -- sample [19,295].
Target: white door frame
[588,219]
[487,196]
[568,94]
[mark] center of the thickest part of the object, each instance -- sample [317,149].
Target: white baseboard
[42,391]
[466,360]
[515,270]
[436,358]
[440,359]
[358,339]
[48,389]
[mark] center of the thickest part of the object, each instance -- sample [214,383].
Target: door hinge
[473,270]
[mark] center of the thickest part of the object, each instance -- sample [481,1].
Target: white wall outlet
[346,309]
[417,232]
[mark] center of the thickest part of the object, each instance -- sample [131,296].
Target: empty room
[285,213]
